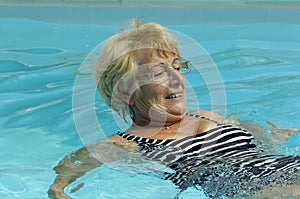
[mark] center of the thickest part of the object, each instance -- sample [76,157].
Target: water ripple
[12,67]
[235,58]
[36,51]
[11,184]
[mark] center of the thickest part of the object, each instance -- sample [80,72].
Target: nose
[176,78]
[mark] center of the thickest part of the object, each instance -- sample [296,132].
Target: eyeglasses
[161,73]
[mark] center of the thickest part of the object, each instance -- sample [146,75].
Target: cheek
[152,94]
[152,90]
[147,95]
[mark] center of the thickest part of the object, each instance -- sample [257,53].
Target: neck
[157,121]
[155,125]
[155,130]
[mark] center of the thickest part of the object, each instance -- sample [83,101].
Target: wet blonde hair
[122,52]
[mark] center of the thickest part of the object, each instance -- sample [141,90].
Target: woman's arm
[270,135]
[289,191]
[69,169]
[275,136]
[85,159]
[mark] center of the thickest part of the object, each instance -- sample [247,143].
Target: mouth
[174,96]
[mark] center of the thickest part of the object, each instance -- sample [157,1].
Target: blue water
[259,65]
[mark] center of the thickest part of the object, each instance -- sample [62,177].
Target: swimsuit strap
[203,117]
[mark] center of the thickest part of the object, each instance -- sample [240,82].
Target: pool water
[259,64]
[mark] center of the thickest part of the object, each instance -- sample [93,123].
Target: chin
[178,112]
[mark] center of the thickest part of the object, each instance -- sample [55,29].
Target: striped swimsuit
[224,161]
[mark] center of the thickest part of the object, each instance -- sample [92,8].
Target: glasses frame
[185,64]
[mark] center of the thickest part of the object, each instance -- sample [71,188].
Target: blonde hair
[120,54]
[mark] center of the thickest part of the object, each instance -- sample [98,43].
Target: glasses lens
[159,73]
[185,67]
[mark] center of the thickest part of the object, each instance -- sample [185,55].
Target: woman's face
[162,86]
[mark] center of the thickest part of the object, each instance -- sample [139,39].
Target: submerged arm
[85,159]
[69,169]
[270,135]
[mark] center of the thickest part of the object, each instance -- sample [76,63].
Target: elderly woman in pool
[141,73]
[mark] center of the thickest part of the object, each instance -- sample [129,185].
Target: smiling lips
[174,95]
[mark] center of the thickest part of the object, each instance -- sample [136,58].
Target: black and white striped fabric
[224,161]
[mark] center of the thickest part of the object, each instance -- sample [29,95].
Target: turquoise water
[259,65]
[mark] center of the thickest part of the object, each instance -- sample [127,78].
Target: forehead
[154,55]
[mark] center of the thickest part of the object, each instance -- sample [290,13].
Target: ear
[125,95]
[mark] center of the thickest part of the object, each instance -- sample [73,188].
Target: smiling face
[162,98]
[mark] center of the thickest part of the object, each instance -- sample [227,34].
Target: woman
[140,73]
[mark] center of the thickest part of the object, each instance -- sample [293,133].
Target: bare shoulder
[116,138]
[209,114]
[112,148]
[123,143]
